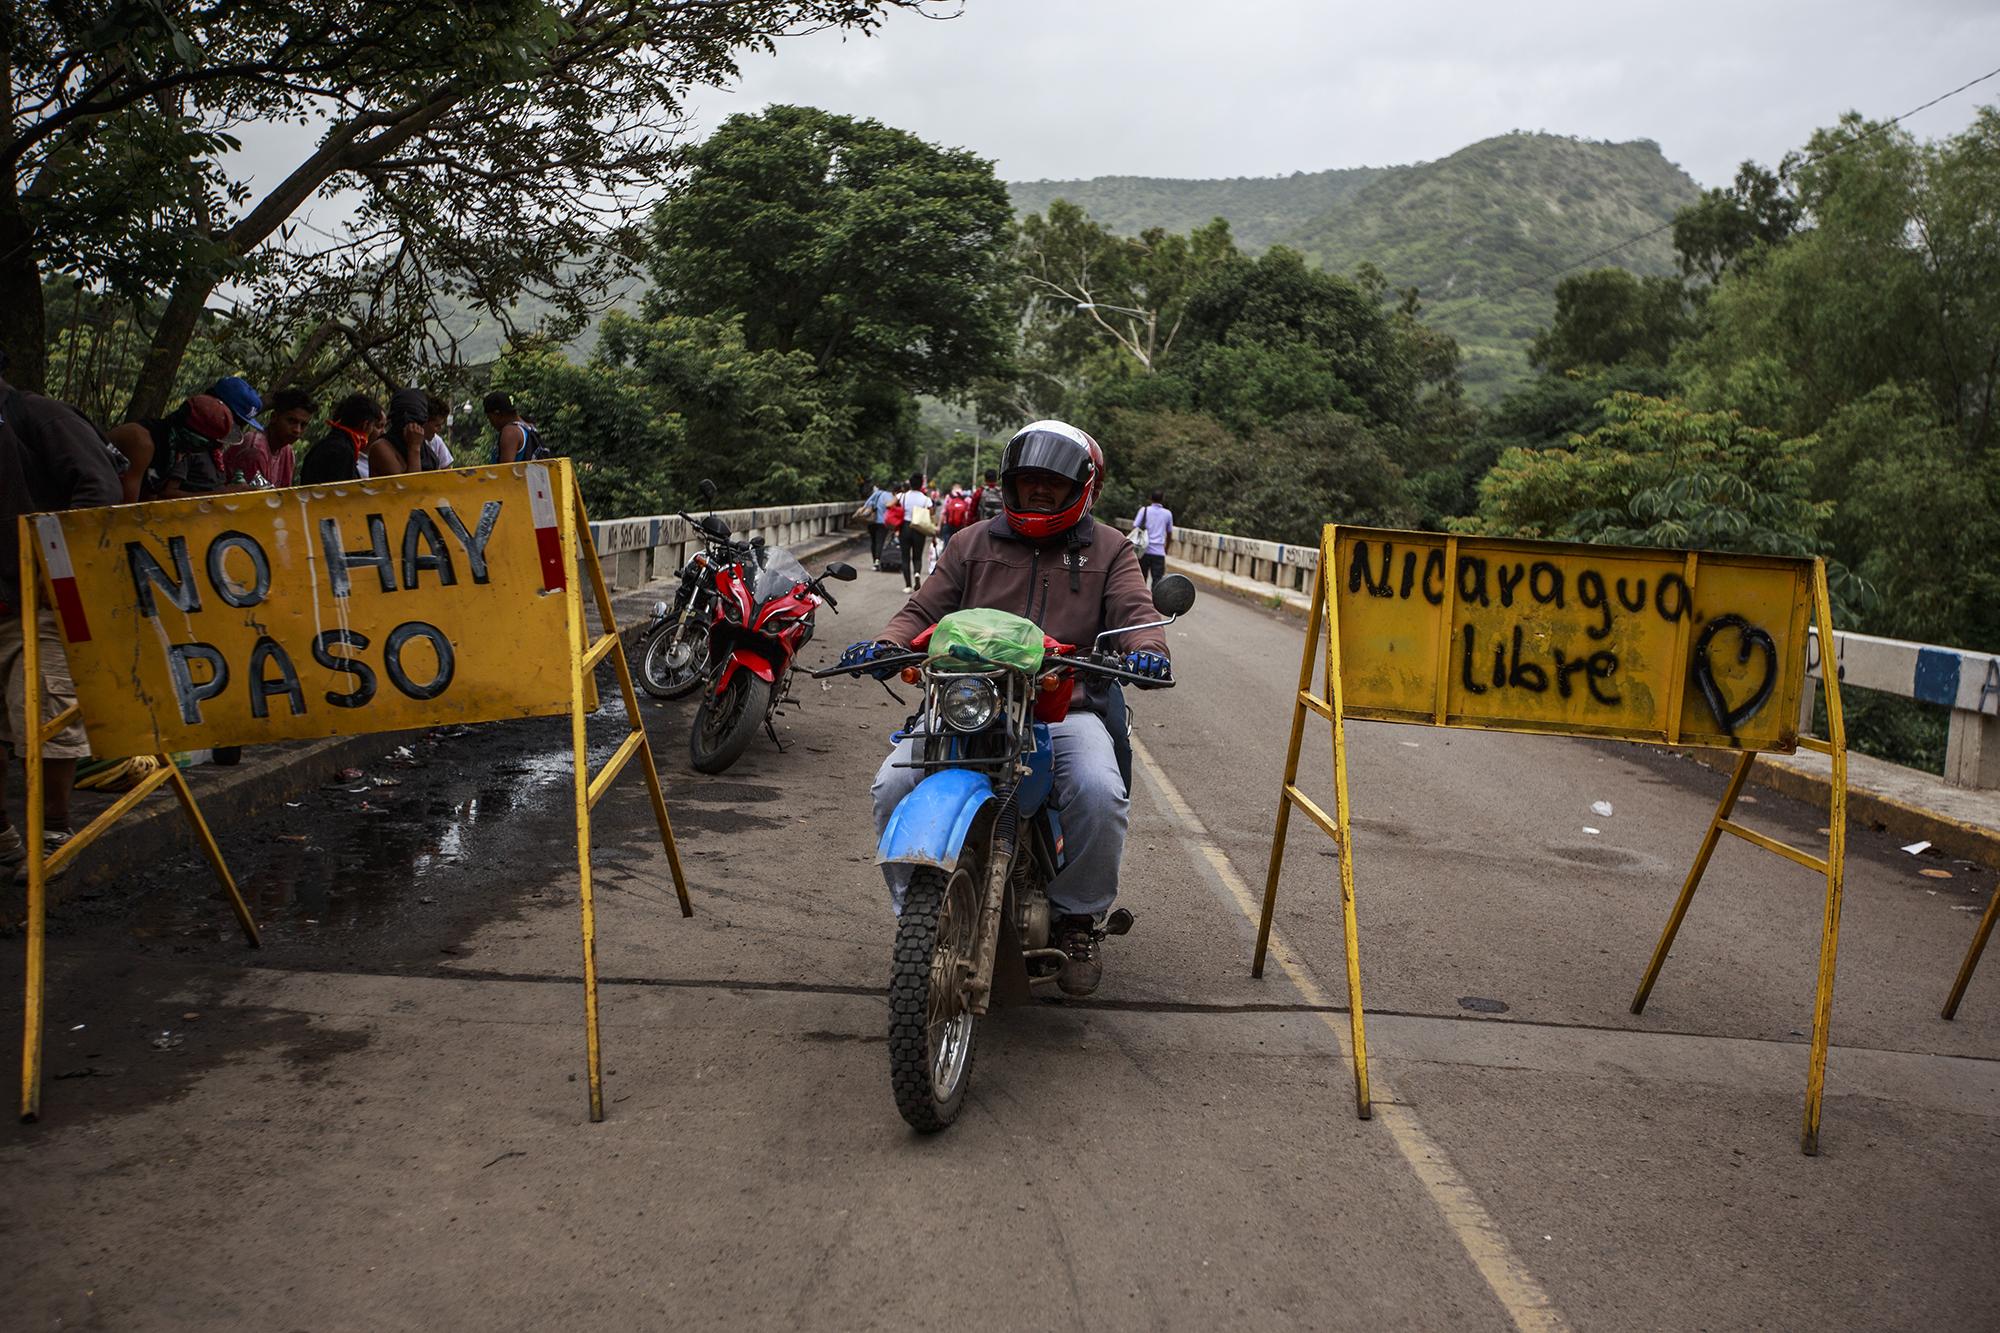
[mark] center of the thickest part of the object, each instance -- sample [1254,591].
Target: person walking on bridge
[877,504]
[1045,558]
[1157,522]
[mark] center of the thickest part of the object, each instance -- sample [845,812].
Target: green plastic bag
[983,636]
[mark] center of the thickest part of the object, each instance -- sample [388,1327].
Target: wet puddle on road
[470,816]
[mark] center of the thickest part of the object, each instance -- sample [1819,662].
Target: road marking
[1524,1299]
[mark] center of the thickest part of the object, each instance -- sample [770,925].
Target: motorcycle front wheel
[724,725]
[932,1028]
[675,659]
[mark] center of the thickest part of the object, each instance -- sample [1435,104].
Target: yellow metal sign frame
[1972,953]
[585,654]
[1323,619]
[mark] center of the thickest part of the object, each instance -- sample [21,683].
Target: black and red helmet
[1058,447]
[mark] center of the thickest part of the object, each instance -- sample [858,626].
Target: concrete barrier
[1967,683]
[635,551]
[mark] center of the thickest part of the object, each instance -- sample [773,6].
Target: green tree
[1607,317]
[1918,518]
[667,402]
[1726,229]
[1281,483]
[862,247]
[1659,473]
[1894,279]
[1089,286]
[476,150]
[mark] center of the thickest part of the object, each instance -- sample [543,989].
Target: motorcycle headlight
[968,703]
[659,610]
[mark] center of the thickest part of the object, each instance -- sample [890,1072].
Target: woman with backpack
[957,513]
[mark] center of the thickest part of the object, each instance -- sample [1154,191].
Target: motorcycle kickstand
[772,732]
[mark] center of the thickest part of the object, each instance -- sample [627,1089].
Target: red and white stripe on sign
[548,536]
[62,577]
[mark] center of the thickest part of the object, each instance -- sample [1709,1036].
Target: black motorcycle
[672,651]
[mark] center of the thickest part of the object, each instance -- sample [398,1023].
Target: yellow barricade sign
[1662,647]
[1582,640]
[239,619]
[413,601]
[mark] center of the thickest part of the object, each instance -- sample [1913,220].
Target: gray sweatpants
[1090,804]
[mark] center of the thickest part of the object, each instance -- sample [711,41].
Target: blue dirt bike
[981,841]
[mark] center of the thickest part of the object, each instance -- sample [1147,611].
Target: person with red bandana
[1045,558]
[336,458]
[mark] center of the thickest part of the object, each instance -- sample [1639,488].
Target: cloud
[1066,88]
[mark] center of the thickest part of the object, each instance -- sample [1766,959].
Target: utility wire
[1841,147]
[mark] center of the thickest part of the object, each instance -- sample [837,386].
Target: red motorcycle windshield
[778,572]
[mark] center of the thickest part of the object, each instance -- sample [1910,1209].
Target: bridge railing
[1967,683]
[635,551]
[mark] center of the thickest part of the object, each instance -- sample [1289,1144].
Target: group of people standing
[230,439]
[902,522]
[227,439]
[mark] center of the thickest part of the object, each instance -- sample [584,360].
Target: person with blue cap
[243,402]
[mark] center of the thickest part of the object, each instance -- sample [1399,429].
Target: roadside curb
[1908,821]
[231,797]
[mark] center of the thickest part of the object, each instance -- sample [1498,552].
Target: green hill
[1472,232]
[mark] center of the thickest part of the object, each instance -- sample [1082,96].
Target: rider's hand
[1155,666]
[860,654]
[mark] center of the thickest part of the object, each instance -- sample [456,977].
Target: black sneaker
[1077,936]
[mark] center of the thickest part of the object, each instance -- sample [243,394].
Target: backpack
[533,446]
[991,502]
[892,558]
[958,511]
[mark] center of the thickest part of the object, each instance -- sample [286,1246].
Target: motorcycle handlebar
[1094,666]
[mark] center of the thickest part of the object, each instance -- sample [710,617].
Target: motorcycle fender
[745,660]
[929,827]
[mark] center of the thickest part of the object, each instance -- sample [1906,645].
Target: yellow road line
[1526,1303]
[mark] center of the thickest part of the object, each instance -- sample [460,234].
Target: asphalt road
[378,1121]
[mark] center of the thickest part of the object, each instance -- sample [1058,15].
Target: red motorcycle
[764,606]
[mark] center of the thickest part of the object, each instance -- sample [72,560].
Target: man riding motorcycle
[1045,558]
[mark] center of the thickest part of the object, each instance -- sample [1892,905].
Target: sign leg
[1290,779]
[1836,858]
[1363,1103]
[1700,867]
[1972,957]
[580,753]
[36,987]
[609,624]
[38,883]
[209,849]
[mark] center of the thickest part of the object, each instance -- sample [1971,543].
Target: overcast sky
[1069,88]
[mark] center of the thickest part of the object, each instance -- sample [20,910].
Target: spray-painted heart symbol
[1749,636]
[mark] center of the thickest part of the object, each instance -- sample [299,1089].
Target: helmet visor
[1046,451]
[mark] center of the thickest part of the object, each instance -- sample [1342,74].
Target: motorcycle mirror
[707,489]
[841,570]
[1173,594]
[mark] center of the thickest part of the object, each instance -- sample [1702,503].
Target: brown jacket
[989,564]
[50,458]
